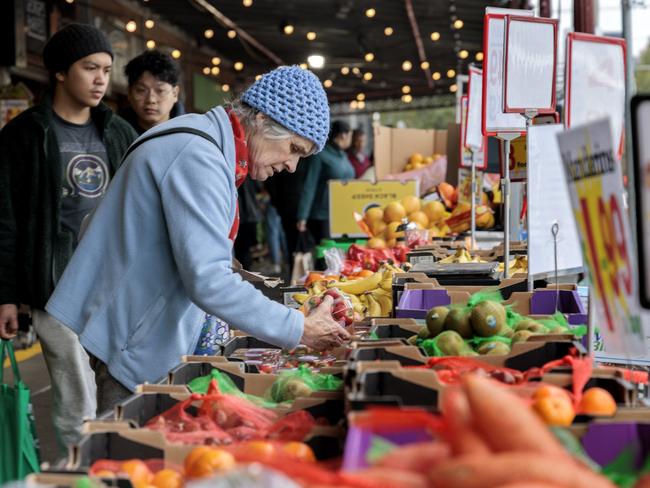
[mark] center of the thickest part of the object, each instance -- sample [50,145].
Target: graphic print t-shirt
[85,171]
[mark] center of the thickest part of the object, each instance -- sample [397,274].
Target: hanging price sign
[596,189]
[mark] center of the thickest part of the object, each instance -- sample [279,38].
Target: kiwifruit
[488,318]
[458,321]
[493,348]
[436,320]
[450,343]
[521,336]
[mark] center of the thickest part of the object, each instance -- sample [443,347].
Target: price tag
[596,189]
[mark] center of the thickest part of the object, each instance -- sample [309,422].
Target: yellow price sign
[596,189]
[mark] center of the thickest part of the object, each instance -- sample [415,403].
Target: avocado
[458,321]
[488,318]
[436,320]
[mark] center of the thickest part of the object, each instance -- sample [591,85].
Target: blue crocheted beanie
[294,98]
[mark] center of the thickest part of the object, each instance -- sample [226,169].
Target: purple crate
[543,303]
[359,441]
[604,442]
[414,304]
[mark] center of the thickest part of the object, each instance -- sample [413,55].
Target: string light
[424,65]
[303,65]
[206,70]
[176,54]
[407,98]
[369,57]
[361,105]
[151,44]
[453,88]
[354,104]
[463,54]
[388,31]
[458,24]
[69,1]
[247,3]
[288,29]
[316,61]
[361,97]
[149,24]
[208,33]
[238,66]
[327,83]
[311,36]
[225,87]
[406,89]
[435,36]
[451,73]
[370,13]
[345,70]
[258,77]
[231,34]
[436,76]
[131,26]
[407,65]
[215,70]
[356,70]
[216,60]
[367,76]
[479,56]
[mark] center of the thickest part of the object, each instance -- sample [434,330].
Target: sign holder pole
[473,201]
[506,137]
[530,114]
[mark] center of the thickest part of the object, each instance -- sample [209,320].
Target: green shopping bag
[18,447]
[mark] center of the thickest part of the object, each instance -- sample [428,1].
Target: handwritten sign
[596,189]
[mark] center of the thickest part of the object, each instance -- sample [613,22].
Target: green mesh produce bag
[487,295]
[302,382]
[227,387]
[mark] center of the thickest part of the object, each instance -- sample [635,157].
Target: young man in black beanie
[56,161]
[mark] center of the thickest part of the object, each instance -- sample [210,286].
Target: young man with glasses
[56,161]
[153,90]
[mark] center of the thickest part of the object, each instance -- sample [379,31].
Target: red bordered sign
[526,67]
[595,83]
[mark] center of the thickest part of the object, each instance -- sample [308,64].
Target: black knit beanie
[73,42]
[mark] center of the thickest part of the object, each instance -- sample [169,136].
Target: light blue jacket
[156,253]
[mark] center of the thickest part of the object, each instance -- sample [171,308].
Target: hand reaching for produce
[321,331]
[8,321]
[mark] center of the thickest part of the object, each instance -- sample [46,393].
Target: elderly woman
[157,252]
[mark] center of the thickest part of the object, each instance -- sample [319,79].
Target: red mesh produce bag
[223,419]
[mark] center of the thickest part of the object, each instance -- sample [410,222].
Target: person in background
[56,162]
[250,215]
[330,164]
[356,153]
[153,90]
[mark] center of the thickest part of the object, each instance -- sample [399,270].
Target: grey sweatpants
[72,380]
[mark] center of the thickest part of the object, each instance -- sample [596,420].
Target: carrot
[505,422]
[419,457]
[458,432]
[495,470]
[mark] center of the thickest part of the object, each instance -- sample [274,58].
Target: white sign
[641,143]
[549,205]
[595,86]
[596,190]
[494,119]
[531,47]
[474,134]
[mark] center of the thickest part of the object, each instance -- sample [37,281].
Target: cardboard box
[347,197]
[393,147]
[273,288]
[244,342]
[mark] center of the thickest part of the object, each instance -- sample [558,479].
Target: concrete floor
[34,373]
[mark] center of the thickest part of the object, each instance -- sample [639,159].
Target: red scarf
[241,165]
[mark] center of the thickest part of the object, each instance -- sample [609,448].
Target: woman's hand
[301,225]
[321,331]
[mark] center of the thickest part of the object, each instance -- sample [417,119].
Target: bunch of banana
[379,302]
[517,265]
[461,256]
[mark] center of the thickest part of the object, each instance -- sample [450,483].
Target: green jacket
[330,164]
[34,250]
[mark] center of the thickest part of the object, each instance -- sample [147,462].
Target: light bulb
[345,70]
[131,26]
[176,54]
[327,83]
[453,88]
[435,36]
[151,44]
[451,73]
[367,76]
[407,98]
[388,31]
[354,104]
[407,65]
[458,24]
[370,13]
[238,66]
[356,70]
[436,76]
[311,36]
[406,89]
[215,70]
[231,34]
[149,24]
[424,65]
[479,56]
[463,54]
[369,57]
[361,97]
[247,3]
[225,87]
[216,60]
[288,29]
[258,77]
[316,61]
[208,33]
[361,105]
[206,70]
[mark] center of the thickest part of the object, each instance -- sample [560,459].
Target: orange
[596,401]
[373,214]
[167,478]
[411,203]
[391,231]
[448,194]
[391,242]
[434,231]
[364,273]
[104,473]
[376,243]
[208,462]
[434,210]
[137,471]
[416,158]
[419,217]
[313,277]
[428,160]
[377,228]
[394,212]
[555,410]
[299,450]
[545,391]
[260,449]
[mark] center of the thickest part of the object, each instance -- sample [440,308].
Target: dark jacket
[131,117]
[33,249]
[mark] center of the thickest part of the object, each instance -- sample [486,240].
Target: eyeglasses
[142,92]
